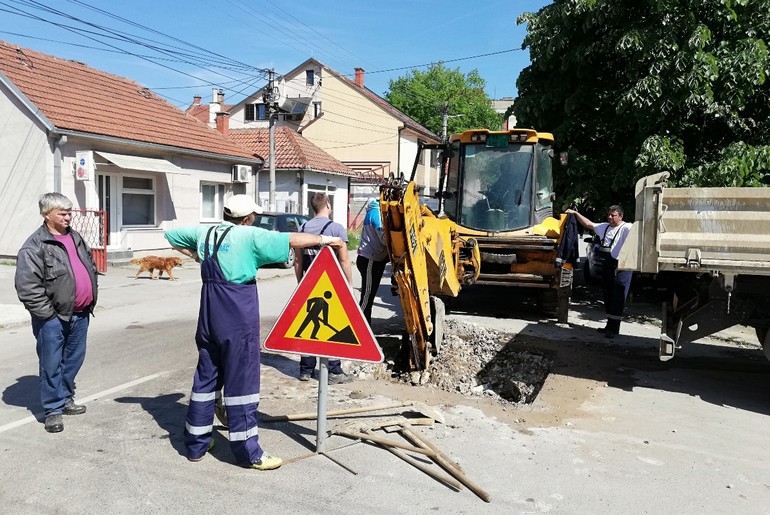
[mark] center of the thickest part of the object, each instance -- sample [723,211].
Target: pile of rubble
[479,362]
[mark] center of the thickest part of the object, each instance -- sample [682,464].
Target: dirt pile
[476,361]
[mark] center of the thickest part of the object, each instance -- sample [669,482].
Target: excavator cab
[498,181]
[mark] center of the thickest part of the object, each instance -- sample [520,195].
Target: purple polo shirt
[84,295]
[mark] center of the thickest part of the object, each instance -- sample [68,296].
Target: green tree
[425,95]
[634,87]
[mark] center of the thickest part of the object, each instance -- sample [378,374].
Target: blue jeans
[61,348]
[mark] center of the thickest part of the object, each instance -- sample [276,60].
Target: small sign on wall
[84,165]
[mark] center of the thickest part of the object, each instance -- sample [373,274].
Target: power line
[312,29]
[447,61]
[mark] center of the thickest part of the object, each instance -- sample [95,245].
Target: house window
[434,158]
[212,201]
[254,112]
[138,201]
[316,109]
[309,77]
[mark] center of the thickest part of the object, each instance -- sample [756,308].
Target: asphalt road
[613,430]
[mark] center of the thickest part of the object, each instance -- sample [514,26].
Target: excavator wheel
[547,301]
[764,339]
[437,314]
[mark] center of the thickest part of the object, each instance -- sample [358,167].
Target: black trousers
[371,275]
[615,285]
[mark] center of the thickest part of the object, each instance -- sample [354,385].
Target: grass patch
[354,239]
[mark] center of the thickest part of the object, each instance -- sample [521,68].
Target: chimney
[197,100]
[215,106]
[223,123]
[360,77]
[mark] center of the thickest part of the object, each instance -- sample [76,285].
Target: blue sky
[386,38]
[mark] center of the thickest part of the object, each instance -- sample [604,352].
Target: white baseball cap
[241,205]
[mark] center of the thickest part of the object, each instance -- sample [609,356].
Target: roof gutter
[156,146]
[398,149]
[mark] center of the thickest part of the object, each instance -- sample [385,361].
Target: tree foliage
[634,87]
[424,96]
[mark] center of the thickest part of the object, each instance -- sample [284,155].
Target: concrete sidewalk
[12,312]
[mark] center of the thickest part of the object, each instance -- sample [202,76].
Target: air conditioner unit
[241,173]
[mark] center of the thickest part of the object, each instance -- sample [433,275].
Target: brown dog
[161,264]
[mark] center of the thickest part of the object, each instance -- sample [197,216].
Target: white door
[107,189]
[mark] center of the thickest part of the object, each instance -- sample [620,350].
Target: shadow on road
[168,413]
[25,393]
[724,375]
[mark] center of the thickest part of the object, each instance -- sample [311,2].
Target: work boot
[613,328]
[304,377]
[54,423]
[267,462]
[73,409]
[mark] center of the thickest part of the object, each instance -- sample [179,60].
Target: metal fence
[92,227]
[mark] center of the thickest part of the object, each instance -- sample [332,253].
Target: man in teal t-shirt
[228,324]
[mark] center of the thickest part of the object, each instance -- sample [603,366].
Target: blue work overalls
[228,355]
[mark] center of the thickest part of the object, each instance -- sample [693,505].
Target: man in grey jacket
[56,281]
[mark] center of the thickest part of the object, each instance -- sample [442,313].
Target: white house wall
[26,172]
[352,127]
[177,196]
[287,187]
[291,195]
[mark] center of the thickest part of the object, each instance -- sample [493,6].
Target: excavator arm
[429,261]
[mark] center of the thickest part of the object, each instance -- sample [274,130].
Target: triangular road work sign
[323,319]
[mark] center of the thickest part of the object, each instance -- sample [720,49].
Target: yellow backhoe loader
[493,226]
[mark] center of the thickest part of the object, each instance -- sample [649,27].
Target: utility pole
[444,121]
[272,106]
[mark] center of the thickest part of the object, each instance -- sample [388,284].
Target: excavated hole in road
[475,361]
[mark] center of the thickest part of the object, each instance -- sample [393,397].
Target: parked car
[282,222]
[594,261]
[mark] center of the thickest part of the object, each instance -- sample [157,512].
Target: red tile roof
[75,97]
[199,111]
[292,150]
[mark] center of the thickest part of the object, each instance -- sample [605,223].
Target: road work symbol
[317,314]
[323,318]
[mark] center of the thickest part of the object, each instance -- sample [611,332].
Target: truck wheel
[764,339]
[437,314]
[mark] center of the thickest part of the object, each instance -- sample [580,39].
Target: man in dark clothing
[56,281]
[372,258]
[323,225]
[615,283]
